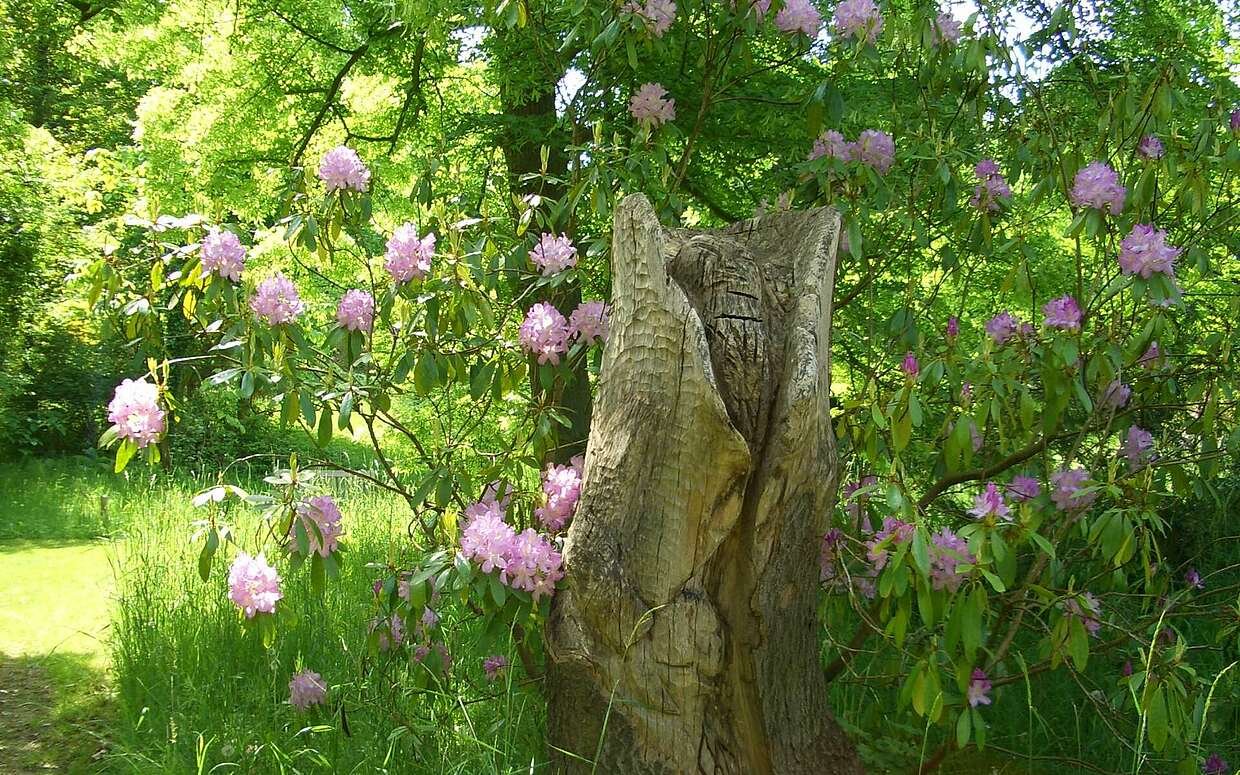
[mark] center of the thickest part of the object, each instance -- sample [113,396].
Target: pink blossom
[562,487]
[544,333]
[1063,312]
[134,412]
[953,327]
[875,148]
[993,191]
[486,537]
[1150,148]
[276,300]
[494,665]
[828,552]
[947,553]
[894,532]
[553,254]
[356,310]
[1067,489]
[1024,488]
[859,18]
[429,619]
[1136,447]
[990,503]
[1235,120]
[391,631]
[979,689]
[945,30]
[1086,608]
[306,689]
[532,564]
[320,518]
[341,169]
[222,255]
[798,16]
[1116,395]
[1001,327]
[1193,579]
[1215,764]
[657,15]
[1097,186]
[832,145]
[1145,252]
[589,322]
[648,105]
[1152,358]
[253,585]
[909,365]
[408,255]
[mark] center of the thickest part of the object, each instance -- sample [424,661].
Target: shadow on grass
[53,714]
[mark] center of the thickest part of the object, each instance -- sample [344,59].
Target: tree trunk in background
[687,624]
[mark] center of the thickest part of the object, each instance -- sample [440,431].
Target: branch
[986,471]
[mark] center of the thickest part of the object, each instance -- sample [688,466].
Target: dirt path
[53,655]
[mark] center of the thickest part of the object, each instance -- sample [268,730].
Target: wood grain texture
[684,640]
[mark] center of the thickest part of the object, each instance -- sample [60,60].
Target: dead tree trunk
[685,638]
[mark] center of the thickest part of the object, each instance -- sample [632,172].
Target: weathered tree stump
[685,638]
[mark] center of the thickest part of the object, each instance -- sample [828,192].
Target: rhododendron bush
[1033,345]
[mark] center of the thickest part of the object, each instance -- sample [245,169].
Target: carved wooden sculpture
[685,638]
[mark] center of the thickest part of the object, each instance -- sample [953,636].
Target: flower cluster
[909,365]
[589,322]
[1151,358]
[1068,489]
[872,147]
[356,310]
[134,412]
[1150,148]
[1215,764]
[1136,447]
[858,18]
[276,300]
[494,665]
[544,333]
[1115,396]
[657,15]
[1096,185]
[649,106]
[306,689]
[1024,488]
[341,169]
[948,552]
[990,194]
[894,532]
[320,518]
[1062,312]
[553,254]
[408,255]
[1002,327]
[562,487]
[526,561]
[944,30]
[979,689]
[799,16]
[1145,252]
[253,585]
[1086,608]
[222,255]
[989,503]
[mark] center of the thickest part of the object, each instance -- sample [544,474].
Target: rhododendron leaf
[301,537]
[921,551]
[979,728]
[1157,718]
[331,565]
[324,436]
[1078,643]
[346,411]
[207,554]
[964,727]
[317,574]
[124,453]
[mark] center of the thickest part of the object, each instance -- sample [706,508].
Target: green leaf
[1157,719]
[964,728]
[921,551]
[208,553]
[325,426]
[124,453]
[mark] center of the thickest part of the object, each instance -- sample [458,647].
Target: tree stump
[685,638]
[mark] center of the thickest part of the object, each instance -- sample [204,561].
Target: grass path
[53,656]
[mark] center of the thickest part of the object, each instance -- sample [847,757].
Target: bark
[685,639]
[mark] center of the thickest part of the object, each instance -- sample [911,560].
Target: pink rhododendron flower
[953,328]
[589,322]
[832,145]
[553,254]
[1152,358]
[222,254]
[831,542]
[486,537]
[854,505]
[562,487]
[859,18]
[657,15]
[306,689]
[993,191]
[910,366]
[1088,609]
[944,30]
[544,333]
[494,665]
[947,552]
[356,310]
[253,585]
[134,412]
[1235,120]
[876,149]
[320,518]
[1145,252]
[1215,764]
[1193,579]
[894,532]
[532,564]
[1150,148]
[276,300]
[798,16]
[990,503]
[1063,313]
[408,255]
[1067,489]
[341,169]
[1097,186]
[648,105]
[1024,488]
[391,631]
[1001,327]
[429,619]
[1115,396]
[979,689]
[1136,447]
